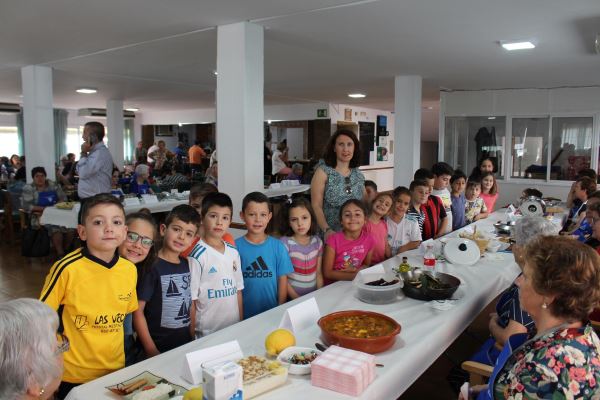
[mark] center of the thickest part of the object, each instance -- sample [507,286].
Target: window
[9,140]
[529,148]
[571,146]
[74,141]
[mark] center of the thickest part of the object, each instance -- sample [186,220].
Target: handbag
[35,242]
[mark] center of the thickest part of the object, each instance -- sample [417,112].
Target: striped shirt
[305,261]
[509,308]
[434,212]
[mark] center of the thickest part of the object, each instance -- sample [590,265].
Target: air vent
[101,113]
[9,108]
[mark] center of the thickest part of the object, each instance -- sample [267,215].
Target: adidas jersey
[215,283]
[92,298]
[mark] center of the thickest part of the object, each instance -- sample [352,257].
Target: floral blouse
[563,364]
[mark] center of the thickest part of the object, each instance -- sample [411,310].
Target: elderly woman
[139,181]
[337,180]
[559,287]
[38,195]
[31,365]
[280,159]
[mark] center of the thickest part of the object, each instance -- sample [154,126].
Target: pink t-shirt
[378,232]
[350,252]
[489,200]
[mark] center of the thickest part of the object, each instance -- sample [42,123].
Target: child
[371,189]
[138,248]
[458,183]
[434,219]
[489,190]
[197,194]
[94,289]
[163,319]
[298,229]
[377,228]
[350,250]
[217,281]
[403,233]
[475,208]
[442,173]
[265,261]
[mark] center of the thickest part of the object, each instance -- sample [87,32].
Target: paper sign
[132,201]
[301,316]
[192,364]
[149,198]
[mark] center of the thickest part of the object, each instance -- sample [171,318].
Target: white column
[407,128]
[240,110]
[38,120]
[115,125]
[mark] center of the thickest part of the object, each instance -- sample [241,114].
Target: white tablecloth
[68,218]
[425,334]
[286,190]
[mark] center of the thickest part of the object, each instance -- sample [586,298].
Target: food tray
[264,382]
[151,380]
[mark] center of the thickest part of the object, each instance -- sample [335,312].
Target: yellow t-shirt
[92,298]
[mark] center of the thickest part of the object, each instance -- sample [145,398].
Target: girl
[138,248]
[377,227]
[489,190]
[348,251]
[298,229]
[475,208]
[458,183]
[485,165]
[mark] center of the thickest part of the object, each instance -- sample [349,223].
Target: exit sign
[322,113]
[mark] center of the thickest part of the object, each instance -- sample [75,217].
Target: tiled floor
[24,277]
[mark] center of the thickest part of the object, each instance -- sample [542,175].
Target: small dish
[144,381]
[296,369]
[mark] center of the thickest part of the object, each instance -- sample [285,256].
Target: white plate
[461,251]
[296,369]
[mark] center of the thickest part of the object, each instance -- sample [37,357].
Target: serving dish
[365,331]
[418,285]
[144,382]
[367,291]
[289,358]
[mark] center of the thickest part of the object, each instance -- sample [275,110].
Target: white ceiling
[159,55]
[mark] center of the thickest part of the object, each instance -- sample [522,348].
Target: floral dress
[562,364]
[338,190]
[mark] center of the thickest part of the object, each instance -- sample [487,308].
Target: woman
[280,160]
[592,216]
[31,365]
[576,223]
[38,195]
[485,165]
[337,180]
[139,181]
[559,287]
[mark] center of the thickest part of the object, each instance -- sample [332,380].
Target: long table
[425,335]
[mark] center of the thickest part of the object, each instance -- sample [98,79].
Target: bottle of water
[429,258]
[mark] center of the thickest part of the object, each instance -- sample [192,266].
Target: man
[141,154]
[95,164]
[195,155]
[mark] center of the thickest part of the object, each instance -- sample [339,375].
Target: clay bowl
[370,345]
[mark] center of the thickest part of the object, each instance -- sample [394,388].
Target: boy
[217,281]
[265,262]
[403,233]
[458,183]
[94,289]
[475,208]
[434,214]
[442,173]
[371,189]
[163,319]
[197,194]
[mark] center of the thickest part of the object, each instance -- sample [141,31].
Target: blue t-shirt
[262,265]
[458,211]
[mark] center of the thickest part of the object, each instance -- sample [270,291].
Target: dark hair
[371,184]
[568,270]
[418,182]
[218,199]
[595,195]
[96,129]
[329,154]
[144,265]
[476,173]
[184,213]
[357,203]
[471,183]
[587,184]
[494,188]
[442,168]
[256,197]
[457,175]
[97,200]
[38,170]
[297,202]
[423,174]
[590,173]
[201,190]
[399,191]
[532,192]
[593,207]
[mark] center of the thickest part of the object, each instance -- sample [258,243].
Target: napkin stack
[343,370]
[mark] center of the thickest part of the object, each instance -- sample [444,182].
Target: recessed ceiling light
[84,90]
[134,109]
[517,45]
[357,95]
[491,117]
[215,73]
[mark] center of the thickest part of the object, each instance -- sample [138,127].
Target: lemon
[278,340]
[193,394]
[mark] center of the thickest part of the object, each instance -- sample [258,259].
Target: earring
[41,392]
[544,305]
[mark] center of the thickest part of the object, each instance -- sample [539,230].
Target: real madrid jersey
[216,280]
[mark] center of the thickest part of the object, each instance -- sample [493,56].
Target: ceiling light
[215,73]
[84,90]
[517,45]
[133,109]
[357,95]
[491,117]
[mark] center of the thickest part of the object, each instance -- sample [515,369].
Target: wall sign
[322,113]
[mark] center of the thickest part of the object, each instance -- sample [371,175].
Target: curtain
[60,133]
[128,141]
[20,132]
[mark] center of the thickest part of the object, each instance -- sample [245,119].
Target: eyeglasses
[133,237]
[63,344]
[348,188]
